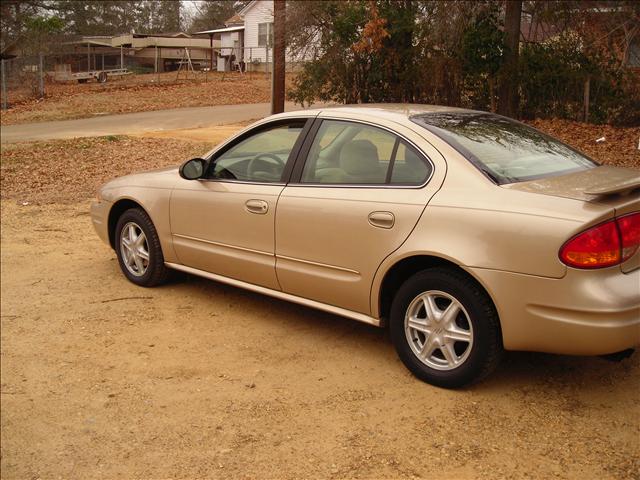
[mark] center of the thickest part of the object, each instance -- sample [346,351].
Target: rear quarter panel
[476,224]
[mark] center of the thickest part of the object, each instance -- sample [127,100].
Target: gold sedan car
[465,232]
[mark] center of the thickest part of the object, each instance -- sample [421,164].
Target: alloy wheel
[134,249]
[438,330]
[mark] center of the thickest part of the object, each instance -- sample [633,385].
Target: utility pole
[279,22]
[508,96]
[5,100]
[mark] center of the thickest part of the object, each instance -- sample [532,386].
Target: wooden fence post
[41,75]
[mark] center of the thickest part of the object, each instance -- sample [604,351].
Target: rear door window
[349,153]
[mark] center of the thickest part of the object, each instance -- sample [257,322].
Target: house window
[265,34]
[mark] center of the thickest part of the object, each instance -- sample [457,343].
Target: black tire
[478,358]
[102,77]
[153,272]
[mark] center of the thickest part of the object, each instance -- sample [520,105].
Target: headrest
[359,157]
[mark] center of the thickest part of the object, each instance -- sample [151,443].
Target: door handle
[256,206]
[382,219]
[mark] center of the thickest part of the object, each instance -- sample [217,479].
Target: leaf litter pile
[69,171]
[604,143]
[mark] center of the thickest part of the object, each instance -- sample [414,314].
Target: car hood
[151,178]
[588,185]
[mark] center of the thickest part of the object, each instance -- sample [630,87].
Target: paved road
[130,123]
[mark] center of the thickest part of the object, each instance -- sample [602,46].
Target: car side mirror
[193,169]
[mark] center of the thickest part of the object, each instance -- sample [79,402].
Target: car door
[224,222]
[355,195]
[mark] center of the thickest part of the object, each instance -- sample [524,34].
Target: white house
[258,33]
[258,30]
[247,39]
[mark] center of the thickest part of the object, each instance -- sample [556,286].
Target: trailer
[66,75]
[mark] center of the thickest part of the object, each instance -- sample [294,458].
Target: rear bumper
[100,219]
[587,312]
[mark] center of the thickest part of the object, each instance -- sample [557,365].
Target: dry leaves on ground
[67,171]
[621,146]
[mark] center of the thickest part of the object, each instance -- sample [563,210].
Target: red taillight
[630,234]
[604,245]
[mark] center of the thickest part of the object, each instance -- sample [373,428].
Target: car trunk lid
[614,187]
[587,185]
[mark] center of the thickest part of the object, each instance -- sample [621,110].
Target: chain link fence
[28,78]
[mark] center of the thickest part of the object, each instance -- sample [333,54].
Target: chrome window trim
[247,182]
[371,185]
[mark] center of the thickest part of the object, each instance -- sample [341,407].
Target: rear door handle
[382,219]
[259,207]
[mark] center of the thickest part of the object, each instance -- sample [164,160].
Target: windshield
[506,150]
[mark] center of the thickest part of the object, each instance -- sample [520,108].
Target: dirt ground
[137,93]
[103,379]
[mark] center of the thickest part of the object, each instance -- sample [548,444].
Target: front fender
[154,201]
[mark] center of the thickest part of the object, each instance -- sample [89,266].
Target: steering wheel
[253,167]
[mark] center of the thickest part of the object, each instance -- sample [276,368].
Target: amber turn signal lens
[604,245]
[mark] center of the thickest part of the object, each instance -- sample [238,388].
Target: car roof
[398,112]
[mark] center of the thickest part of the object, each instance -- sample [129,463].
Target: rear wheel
[445,328]
[138,249]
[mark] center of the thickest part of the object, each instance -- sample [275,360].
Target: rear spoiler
[615,187]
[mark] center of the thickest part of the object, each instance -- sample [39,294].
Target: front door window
[261,157]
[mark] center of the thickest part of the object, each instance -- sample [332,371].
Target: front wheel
[138,249]
[445,328]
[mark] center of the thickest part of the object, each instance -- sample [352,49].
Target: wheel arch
[117,209]
[405,267]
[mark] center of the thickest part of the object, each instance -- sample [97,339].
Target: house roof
[247,7]
[221,30]
[235,20]
[163,35]
[101,41]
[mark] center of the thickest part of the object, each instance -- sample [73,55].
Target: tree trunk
[587,87]
[508,95]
